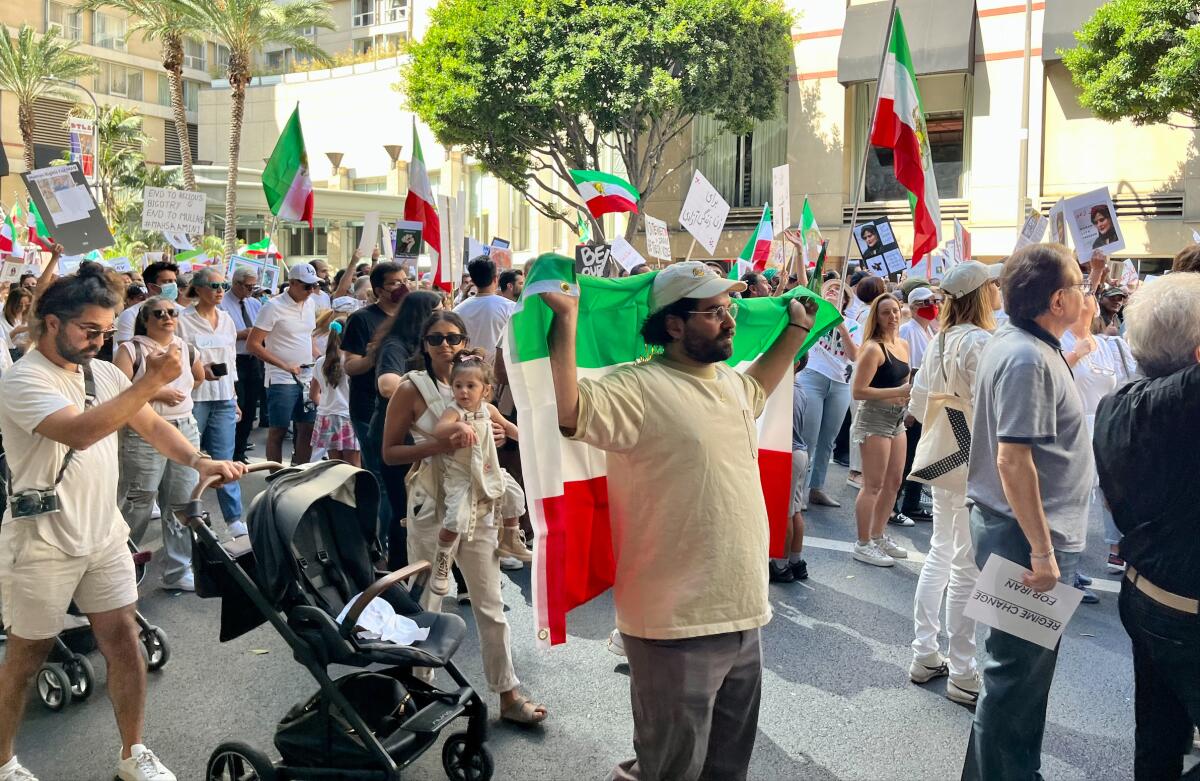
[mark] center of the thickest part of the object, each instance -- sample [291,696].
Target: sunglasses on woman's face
[435,340]
[164,314]
[214,285]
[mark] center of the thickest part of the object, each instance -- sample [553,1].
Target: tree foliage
[532,88]
[1140,60]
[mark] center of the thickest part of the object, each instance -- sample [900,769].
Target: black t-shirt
[359,330]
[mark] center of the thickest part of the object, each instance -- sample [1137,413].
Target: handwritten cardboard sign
[624,253]
[1003,602]
[592,259]
[173,211]
[658,241]
[704,213]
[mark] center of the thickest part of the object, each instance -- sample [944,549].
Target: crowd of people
[1033,364]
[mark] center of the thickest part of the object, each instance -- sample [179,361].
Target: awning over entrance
[941,35]
[1061,20]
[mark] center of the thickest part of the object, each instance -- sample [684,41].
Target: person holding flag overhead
[688,518]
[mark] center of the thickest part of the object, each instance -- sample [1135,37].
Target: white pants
[949,570]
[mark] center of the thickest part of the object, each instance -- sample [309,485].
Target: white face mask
[169,291]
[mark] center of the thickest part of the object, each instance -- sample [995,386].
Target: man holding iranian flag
[900,126]
[687,516]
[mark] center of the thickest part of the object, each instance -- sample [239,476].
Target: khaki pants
[695,707]
[480,566]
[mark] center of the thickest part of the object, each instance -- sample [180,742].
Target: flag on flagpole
[285,180]
[10,238]
[900,126]
[264,248]
[814,279]
[565,481]
[419,206]
[37,229]
[604,193]
[583,228]
[809,231]
[758,249]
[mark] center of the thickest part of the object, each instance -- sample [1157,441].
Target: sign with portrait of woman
[1092,221]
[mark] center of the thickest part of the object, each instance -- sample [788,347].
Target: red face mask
[928,312]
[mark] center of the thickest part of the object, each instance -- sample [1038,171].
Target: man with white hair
[242,307]
[1145,447]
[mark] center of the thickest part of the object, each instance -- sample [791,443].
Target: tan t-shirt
[689,522]
[31,391]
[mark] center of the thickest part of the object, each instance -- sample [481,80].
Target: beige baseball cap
[963,278]
[689,279]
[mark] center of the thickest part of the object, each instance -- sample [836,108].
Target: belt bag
[941,456]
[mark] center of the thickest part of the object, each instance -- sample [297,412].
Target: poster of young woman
[1092,221]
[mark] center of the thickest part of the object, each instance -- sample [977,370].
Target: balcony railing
[364,19]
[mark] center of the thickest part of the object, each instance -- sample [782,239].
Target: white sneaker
[616,643]
[238,529]
[509,563]
[439,581]
[854,482]
[870,553]
[964,691]
[890,547]
[12,770]
[925,668]
[900,519]
[142,765]
[186,582]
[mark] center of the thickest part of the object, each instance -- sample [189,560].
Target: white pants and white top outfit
[474,482]
[477,558]
[949,568]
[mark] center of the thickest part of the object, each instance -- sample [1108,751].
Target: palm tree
[169,22]
[28,62]
[246,27]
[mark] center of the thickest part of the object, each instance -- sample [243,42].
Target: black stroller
[310,551]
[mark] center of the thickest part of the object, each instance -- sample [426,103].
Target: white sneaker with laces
[925,668]
[186,582]
[142,765]
[616,643]
[238,529]
[509,563]
[12,770]
[964,691]
[890,547]
[870,553]
[439,581]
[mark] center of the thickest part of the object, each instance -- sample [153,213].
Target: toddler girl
[330,391]
[474,484]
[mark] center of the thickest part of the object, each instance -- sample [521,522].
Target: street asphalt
[837,702]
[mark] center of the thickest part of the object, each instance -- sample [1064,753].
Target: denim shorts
[877,419]
[285,404]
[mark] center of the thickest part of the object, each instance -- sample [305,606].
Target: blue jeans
[217,424]
[828,401]
[1010,718]
[372,460]
[285,405]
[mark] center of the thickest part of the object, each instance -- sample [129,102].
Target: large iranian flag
[565,481]
[900,126]
[419,206]
[285,180]
[757,251]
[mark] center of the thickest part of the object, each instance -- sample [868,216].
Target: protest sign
[1092,221]
[69,264]
[1058,224]
[781,198]
[267,272]
[1129,273]
[658,241]
[72,217]
[121,265]
[624,253]
[408,242]
[499,243]
[81,132]
[1003,602]
[877,245]
[174,211]
[370,232]
[1032,231]
[962,237]
[179,241]
[704,212]
[592,259]
[502,256]
[473,249]
[11,271]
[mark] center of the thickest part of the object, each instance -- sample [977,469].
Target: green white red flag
[604,193]
[286,182]
[900,126]
[263,248]
[810,232]
[758,249]
[10,233]
[565,481]
[419,206]
[37,229]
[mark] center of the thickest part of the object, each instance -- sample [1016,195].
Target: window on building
[307,32]
[391,11]
[377,186]
[113,79]
[108,31]
[164,90]
[249,235]
[739,166]
[279,60]
[364,13]
[306,241]
[194,55]
[67,19]
[191,95]
[518,220]
[222,56]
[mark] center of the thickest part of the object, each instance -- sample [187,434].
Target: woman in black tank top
[880,388]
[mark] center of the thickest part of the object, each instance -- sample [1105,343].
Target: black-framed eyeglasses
[213,285]
[719,313]
[164,314]
[92,333]
[435,340]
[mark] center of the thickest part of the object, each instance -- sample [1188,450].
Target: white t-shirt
[1095,374]
[321,299]
[486,318]
[289,326]
[5,356]
[125,323]
[918,339]
[334,400]
[213,345]
[828,356]
[31,391]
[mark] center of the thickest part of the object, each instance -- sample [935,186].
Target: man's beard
[71,354]
[704,350]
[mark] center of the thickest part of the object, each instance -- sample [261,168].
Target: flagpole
[862,171]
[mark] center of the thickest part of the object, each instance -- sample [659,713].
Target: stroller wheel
[464,760]
[82,676]
[154,641]
[237,761]
[53,687]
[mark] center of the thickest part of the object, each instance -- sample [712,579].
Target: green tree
[1139,60]
[169,22]
[532,88]
[247,27]
[28,62]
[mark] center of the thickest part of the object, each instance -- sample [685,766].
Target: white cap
[968,276]
[921,294]
[344,304]
[689,279]
[303,272]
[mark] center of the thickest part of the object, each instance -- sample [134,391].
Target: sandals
[524,712]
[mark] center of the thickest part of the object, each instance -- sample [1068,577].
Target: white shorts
[799,469]
[38,581]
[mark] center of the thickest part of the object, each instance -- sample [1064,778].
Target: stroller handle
[195,510]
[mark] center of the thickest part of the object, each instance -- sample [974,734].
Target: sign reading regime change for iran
[1002,601]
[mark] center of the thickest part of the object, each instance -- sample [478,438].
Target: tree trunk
[173,63]
[238,76]
[25,122]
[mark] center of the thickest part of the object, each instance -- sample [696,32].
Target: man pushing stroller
[63,537]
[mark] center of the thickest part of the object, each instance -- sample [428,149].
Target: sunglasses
[164,314]
[435,340]
[307,286]
[213,285]
[92,333]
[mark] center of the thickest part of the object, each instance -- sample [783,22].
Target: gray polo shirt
[1025,393]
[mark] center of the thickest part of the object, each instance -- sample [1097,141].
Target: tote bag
[941,457]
